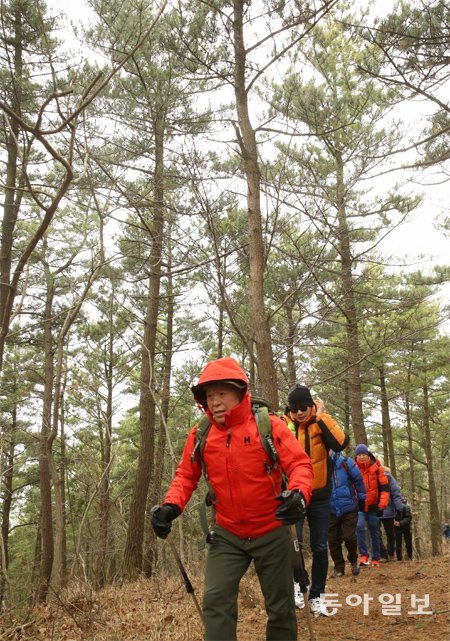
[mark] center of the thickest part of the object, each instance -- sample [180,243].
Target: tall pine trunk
[47,552]
[7,495]
[435,523]
[222,276]
[13,195]
[349,308]
[133,555]
[388,446]
[410,456]
[155,492]
[249,153]
[58,473]
[291,369]
[105,435]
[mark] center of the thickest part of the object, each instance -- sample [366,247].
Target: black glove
[379,512]
[162,517]
[293,507]
[361,505]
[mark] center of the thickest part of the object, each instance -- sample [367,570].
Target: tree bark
[349,307]
[249,152]
[59,570]
[292,372]
[45,454]
[58,474]
[133,554]
[388,447]
[155,493]
[105,435]
[12,196]
[37,557]
[7,495]
[221,275]
[347,416]
[410,455]
[435,523]
[384,435]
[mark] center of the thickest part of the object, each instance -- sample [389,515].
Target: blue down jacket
[347,485]
[395,504]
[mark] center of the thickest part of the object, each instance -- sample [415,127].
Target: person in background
[377,489]
[446,531]
[393,510]
[402,525]
[317,432]
[250,506]
[348,493]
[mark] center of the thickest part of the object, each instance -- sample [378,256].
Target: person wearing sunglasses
[318,433]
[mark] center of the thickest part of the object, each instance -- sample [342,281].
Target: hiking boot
[355,569]
[375,563]
[364,560]
[298,596]
[337,573]
[318,608]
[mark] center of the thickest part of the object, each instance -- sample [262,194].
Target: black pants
[318,515]
[342,529]
[389,528]
[401,533]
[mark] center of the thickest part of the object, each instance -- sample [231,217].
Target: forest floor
[161,610]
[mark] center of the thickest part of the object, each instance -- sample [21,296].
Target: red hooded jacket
[237,463]
[376,482]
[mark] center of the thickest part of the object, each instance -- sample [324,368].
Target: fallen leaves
[161,610]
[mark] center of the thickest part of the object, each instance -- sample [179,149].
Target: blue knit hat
[361,449]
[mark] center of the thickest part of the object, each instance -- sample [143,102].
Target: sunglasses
[300,408]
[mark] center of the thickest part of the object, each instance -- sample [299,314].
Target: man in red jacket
[377,499]
[249,517]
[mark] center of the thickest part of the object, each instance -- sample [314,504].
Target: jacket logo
[247,440]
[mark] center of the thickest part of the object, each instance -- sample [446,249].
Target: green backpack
[262,412]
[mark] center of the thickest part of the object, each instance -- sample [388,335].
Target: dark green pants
[228,559]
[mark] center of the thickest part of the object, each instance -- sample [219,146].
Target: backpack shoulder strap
[203,427]
[264,425]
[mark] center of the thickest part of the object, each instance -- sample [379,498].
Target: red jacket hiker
[251,509]
[377,488]
[236,463]
[376,482]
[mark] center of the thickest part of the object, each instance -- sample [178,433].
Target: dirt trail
[161,610]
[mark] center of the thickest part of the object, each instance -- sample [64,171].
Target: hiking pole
[301,567]
[189,587]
